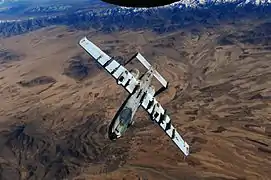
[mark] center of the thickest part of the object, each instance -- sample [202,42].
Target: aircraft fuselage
[124,116]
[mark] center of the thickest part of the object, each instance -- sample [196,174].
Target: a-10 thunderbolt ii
[141,93]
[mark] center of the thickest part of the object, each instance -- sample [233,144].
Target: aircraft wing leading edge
[158,114]
[119,72]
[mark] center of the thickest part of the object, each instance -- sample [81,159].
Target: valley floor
[56,104]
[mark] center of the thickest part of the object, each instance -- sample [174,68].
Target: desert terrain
[56,104]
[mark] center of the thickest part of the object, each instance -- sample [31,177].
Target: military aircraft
[140,3]
[141,93]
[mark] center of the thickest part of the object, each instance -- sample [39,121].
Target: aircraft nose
[112,136]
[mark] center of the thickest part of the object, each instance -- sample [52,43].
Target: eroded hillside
[56,104]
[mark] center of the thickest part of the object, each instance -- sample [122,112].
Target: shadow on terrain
[29,151]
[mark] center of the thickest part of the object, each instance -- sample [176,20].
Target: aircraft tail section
[156,74]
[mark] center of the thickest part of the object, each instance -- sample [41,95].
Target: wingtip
[82,40]
[167,85]
[187,149]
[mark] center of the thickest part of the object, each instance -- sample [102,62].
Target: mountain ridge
[159,20]
[57,103]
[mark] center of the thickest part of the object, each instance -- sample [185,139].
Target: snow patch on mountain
[200,3]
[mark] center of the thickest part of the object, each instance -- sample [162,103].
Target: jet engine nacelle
[151,90]
[135,73]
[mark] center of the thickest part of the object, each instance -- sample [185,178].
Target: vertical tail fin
[156,74]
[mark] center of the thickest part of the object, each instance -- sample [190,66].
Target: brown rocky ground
[56,104]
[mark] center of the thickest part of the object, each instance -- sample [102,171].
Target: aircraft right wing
[119,72]
[159,115]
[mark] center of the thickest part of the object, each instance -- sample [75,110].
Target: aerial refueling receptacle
[140,3]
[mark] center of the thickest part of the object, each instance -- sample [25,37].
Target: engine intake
[135,73]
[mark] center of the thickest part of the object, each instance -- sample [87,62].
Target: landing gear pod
[140,3]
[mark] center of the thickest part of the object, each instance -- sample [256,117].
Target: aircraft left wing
[159,115]
[119,72]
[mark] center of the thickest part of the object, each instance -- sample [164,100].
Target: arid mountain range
[56,103]
[109,19]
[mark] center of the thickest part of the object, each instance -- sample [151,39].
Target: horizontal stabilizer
[143,61]
[156,74]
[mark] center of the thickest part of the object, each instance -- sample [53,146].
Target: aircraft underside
[124,117]
[141,93]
